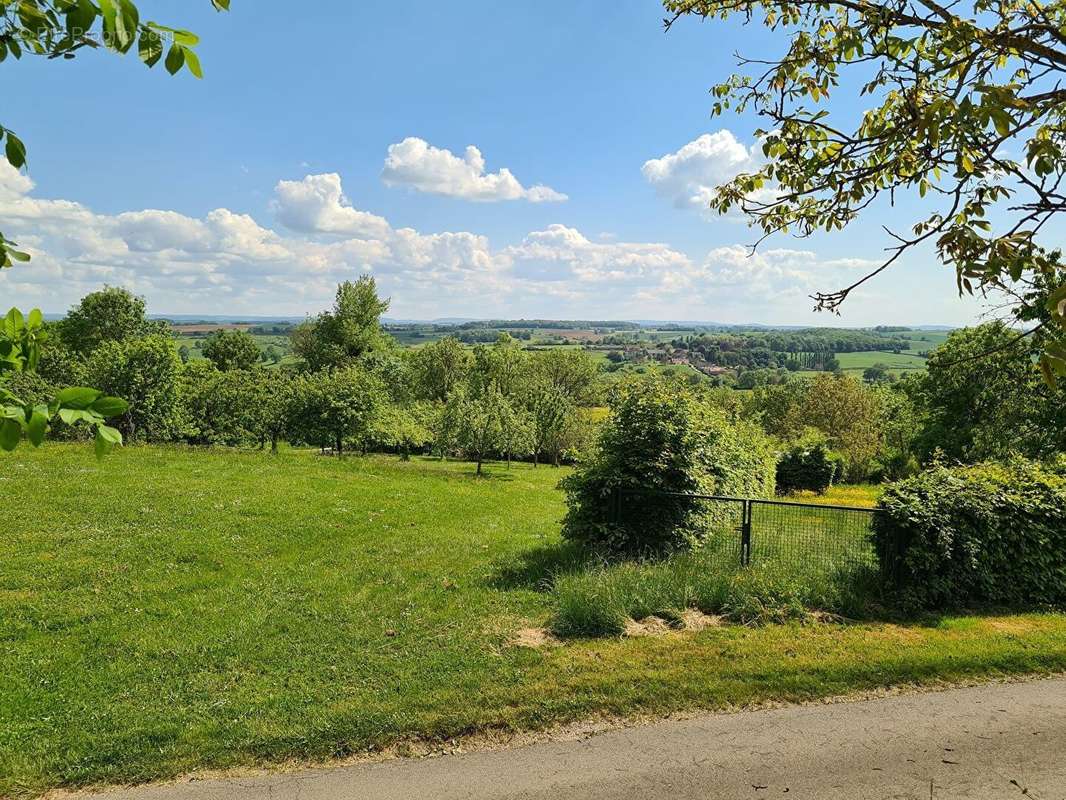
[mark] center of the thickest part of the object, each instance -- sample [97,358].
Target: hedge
[987,534]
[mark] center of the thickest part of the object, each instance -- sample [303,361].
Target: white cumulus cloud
[228,262]
[317,204]
[416,163]
[690,175]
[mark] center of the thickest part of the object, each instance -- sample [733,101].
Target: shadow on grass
[538,568]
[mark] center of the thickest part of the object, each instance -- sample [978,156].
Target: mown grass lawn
[171,609]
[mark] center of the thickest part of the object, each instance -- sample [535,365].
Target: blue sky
[332,140]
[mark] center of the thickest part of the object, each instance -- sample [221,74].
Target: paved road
[999,741]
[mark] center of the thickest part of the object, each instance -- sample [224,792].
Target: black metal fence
[805,536]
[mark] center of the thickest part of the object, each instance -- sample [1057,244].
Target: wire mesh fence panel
[721,530]
[716,522]
[811,538]
[806,539]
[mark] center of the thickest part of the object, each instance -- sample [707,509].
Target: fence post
[616,505]
[745,534]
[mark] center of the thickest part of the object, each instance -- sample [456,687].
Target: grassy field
[171,609]
[897,362]
[860,495]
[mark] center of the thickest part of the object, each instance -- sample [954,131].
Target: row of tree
[353,387]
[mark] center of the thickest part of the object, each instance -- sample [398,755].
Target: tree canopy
[112,314]
[231,349]
[954,94]
[350,330]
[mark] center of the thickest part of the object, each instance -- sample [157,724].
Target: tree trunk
[274,443]
[340,444]
[479,465]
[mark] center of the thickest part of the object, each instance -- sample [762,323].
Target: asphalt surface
[994,741]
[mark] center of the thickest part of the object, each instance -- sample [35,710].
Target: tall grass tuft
[598,601]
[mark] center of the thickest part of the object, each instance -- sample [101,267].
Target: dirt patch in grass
[534,638]
[1011,625]
[694,620]
[688,620]
[649,626]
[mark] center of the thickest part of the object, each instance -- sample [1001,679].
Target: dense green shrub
[806,466]
[146,373]
[336,409]
[218,407]
[992,533]
[660,437]
[231,349]
[894,466]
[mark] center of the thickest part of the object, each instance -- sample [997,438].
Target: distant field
[210,327]
[894,361]
[925,339]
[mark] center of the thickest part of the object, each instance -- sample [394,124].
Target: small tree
[573,372]
[145,372]
[516,432]
[503,364]
[402,429]
[218,407]
[352,328]
[849,413]
[112,314]
[486,424]
[806,466]
[551,414]
[662,442]
[447,422]
[335,408]
[231,349]
[272,415]
[878,373]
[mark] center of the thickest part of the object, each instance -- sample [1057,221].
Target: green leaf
[15,151]
[77,397]
[150,47]
[175,59]
[73,415]
[192,61]
[112,435]
[35,319]
[10,434]
[37,427]
[106,439]
[1001,119]
[101,446]
[80,17]
[110,406]
[14,321]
